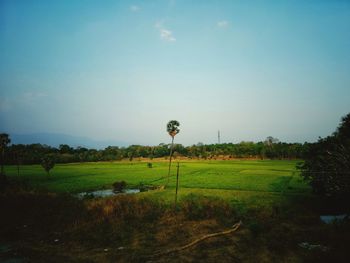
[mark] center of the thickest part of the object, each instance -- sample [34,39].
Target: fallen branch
[195,242]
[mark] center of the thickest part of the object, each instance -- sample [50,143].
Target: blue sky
[119,70]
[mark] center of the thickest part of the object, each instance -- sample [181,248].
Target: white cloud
[135,8]
[167,35]
[222,24]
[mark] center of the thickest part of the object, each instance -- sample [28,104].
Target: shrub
[48,162]
[119,186]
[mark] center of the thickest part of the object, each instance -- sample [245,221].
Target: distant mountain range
[55,139]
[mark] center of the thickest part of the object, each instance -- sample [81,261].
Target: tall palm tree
[4,141]
[172,128]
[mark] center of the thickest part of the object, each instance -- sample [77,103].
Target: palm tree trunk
[171,156]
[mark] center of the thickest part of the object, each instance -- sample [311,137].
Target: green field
[231,180]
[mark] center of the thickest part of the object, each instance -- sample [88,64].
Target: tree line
[271,148]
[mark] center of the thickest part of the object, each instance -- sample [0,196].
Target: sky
[120,70]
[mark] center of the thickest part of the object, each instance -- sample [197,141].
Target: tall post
[2,173]
[2,160]
[218,137]
[171,156]
[177,183]
[17,167]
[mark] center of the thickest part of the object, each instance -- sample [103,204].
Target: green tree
[131,156]
[151,153]
[47,163]
[270,150]
[18,153]
[173,129]
[64,148]
[327,163]
[4,141]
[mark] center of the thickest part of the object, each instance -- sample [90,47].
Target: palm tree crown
[173,128]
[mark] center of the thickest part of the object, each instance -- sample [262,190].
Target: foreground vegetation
[42,227]
[280,215]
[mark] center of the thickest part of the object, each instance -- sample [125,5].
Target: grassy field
[231,180]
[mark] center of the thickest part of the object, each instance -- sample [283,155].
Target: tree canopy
[33,153]
[327,163]
[4,141]
[48,163]
[173,127]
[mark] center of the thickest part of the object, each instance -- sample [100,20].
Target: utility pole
[218,137]
[177,183]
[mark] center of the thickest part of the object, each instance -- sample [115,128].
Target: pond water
[332,218]
[106,193]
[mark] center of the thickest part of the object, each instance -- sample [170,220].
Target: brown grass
[45,227]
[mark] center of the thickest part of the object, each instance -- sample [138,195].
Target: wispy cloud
[222,23]
[135,8]
[165,34]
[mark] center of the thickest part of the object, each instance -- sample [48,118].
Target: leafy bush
[48,162]
[119,186]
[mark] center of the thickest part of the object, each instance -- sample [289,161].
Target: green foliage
[32,154]
[173,127]
[119,186]
[48,162]
[327,163]
[131,156]
[4,141]
[64,148]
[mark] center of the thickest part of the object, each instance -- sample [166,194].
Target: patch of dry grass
[42,227]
